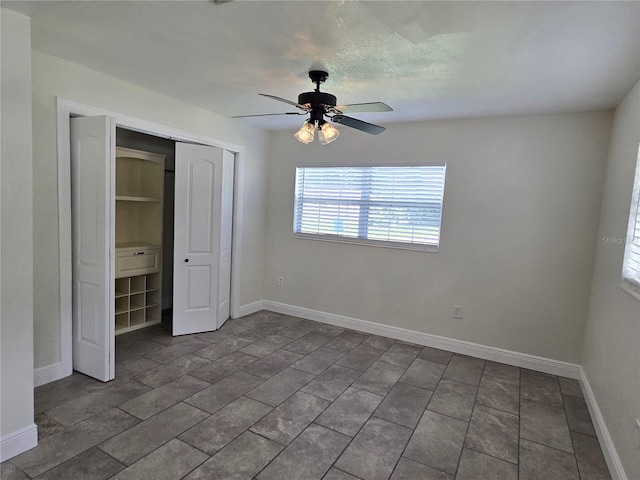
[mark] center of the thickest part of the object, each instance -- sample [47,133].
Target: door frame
[65,109]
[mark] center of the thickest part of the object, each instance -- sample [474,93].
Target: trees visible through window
[397,206]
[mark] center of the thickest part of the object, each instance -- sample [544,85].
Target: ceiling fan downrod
[318,77]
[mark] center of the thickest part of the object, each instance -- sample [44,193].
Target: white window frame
[363,241]
[631,262]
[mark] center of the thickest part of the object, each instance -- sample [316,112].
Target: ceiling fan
[322,104]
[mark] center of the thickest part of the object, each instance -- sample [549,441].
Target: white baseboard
[249,309]
[50,373]
[606,442]
[532,362]
[17,442]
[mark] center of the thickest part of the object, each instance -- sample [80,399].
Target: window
[631,263]
[394,206]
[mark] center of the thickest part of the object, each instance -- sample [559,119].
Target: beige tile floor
[271,396]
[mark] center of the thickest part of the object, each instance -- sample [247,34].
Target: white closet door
[226,227]
[202,238]
[92,203]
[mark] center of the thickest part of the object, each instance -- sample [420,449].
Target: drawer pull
[138,253]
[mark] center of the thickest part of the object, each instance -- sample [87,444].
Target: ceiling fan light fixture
[306,132]
[327,133]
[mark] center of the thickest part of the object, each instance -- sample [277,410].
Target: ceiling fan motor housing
[317,101]
[317,98]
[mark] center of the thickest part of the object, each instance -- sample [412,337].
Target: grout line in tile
[414,428]
[475,398]
[489,455]
[500,378]
[547,446]
[519,420]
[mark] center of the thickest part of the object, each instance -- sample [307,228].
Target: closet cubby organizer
[137,301]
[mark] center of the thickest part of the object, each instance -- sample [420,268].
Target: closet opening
[144,228]
[152,219]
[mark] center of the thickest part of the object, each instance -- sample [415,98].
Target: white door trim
[65,109]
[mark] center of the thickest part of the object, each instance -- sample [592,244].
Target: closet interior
[144,205]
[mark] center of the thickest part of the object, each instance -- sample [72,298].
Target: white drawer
[137,262]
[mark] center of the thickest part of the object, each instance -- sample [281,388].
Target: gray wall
[16,309]
[611,357]
[520,217]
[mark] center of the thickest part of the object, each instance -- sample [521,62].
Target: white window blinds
[631,264]
[397,206]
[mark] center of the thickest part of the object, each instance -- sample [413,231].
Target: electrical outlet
[637,432]
[281,281]
[457,311]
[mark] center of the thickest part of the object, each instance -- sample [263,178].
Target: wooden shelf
[125,198]
[124,246]
[131,154]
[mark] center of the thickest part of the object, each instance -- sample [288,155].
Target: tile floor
[270,396]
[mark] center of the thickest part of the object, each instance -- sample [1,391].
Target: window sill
[372,243]
[631,289]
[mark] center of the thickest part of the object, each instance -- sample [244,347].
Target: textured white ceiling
[426,59]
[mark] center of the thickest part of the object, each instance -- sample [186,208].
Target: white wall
[611,357]
[520,218]
[53,77]
[17,430]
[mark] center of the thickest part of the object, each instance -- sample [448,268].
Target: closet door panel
[92,194]
[226,226]
[199,204]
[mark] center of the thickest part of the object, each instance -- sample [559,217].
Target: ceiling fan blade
[268,114]
[363,108]
[358,124]
[301,107]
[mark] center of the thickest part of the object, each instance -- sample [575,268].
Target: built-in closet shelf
[124,294]
[131,154]
[124,198]
[126,246]
[138,235]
